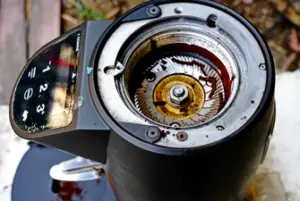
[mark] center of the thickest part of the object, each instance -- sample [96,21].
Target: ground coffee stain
[68,190]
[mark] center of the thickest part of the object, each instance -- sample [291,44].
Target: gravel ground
[283,156]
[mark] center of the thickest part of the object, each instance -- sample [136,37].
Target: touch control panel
[44,97]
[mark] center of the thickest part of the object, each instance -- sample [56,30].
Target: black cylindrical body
[218,156]
[214,173]
[139,171]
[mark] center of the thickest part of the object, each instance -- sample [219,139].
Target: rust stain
[164,133]
[112,183]
[68,190]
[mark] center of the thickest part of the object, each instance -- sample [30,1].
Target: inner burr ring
[152,74]
[181,107]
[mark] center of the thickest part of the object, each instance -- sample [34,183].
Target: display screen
[44,97]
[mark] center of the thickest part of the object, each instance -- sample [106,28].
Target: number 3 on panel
[41,109]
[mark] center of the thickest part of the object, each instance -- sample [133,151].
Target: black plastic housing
[87,135]
[140,171]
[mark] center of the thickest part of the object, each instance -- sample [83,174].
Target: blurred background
[26,25]
[277,20]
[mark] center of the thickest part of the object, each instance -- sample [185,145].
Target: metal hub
[179,94]
[186,90]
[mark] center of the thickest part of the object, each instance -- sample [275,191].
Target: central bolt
[179,94]
[179,91]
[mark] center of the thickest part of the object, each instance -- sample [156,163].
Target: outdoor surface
[21,34]
[27,25]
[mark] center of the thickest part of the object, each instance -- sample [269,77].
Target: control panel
[44,96]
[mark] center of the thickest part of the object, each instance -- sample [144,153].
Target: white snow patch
[284,151]
[12,149]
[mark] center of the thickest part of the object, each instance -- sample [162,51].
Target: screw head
[179,94]
[178,10]
[182,136]
[220,128]
[150,77]
[154,10]
[153,134]
[179,91]
[262,67]
[211,20]
[114,69]
[175,125]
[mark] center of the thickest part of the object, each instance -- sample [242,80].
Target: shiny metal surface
[204,104]
[229,41]
[76,170]
[178,94]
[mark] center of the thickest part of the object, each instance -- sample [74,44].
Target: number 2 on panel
[43,87]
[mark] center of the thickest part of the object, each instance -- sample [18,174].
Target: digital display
[44,97]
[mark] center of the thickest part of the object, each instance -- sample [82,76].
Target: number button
[25,115]
[47,68]
[31,73]
[41,109]
[43,87]
[28,94]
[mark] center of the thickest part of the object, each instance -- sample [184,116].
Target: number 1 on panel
[48,67]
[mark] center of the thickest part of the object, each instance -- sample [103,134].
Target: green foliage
[85,13]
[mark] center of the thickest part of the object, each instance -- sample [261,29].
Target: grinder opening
[173,81]
[178,73]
